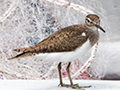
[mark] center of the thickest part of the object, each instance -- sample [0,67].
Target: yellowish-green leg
[74,86]
[60,76]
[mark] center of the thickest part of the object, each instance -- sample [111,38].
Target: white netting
[26,22]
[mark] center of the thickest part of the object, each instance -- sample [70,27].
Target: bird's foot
[64,85]
[75,86]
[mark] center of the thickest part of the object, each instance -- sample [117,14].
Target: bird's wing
[64,40]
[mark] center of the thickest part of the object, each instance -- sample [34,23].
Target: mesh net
[27,22]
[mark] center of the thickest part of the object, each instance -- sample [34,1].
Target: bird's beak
[98,26]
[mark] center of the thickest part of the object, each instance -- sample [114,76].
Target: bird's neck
[93,34]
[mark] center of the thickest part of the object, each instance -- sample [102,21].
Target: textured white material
[9,11]
[72,5]
[27,22]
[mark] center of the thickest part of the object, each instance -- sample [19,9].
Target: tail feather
[19,50]
[25,54]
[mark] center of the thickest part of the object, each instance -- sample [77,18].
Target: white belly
[66,56]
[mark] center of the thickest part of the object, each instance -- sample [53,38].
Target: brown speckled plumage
[65,40]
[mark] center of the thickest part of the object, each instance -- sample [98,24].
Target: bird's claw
[64,85]
[75,86]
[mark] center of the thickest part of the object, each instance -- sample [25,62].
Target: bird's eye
[88,20]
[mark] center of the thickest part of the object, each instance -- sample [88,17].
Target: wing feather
[64,40]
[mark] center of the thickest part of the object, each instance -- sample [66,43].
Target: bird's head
[93,21]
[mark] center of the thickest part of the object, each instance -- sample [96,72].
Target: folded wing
[64,40]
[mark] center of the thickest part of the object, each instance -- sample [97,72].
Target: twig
[14,74]
[46,76]
[65,3]
[9,11]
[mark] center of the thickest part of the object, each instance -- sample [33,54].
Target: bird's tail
[25,54]
[19,50]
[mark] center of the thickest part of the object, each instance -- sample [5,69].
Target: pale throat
[94,29]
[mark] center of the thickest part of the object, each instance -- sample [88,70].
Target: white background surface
[53,85]
[111,49]
[112,9]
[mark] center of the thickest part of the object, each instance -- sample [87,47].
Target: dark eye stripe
[89,20]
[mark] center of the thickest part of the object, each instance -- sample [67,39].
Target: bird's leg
[71,83]
[74,86]
[60,76]
[68,72]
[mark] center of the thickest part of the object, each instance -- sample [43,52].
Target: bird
[66,45]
